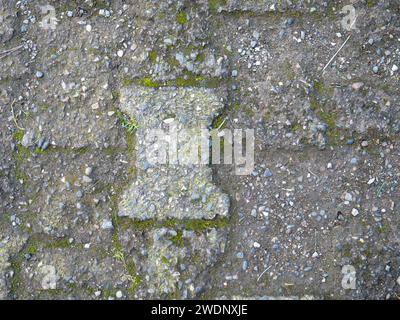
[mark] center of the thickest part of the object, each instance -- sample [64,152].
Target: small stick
[5,53]
[12,49]
[341,47]
[223,122]
[259,277]
[334,56]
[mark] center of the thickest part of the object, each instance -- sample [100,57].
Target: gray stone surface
[324,192]
[168,190]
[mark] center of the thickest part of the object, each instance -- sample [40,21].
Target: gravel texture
[83,215]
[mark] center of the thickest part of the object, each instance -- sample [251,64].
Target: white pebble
[119,294]
[88,171]
[354,212]
[395,68]
[348,196]
[87,179]
[120,53]
[106,224]
[256,245]
[88,28]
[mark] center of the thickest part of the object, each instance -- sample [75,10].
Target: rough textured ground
[82,215]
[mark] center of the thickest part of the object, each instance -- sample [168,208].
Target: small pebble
[357,85]
[107,224]
[86,179]
[88,171]
[39,74]
[256,245]
[267,173]
[119,294]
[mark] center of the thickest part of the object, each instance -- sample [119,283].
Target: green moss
[20,155]
[32,249]
[219,122]
[148,82]
[213,5]
[188,80]
[346,251]
[37,150]
[200,57]
[119,254]
[295,127]
[201,224]
[319,87]
[137,224]
[16,280]
[59,244]
[173,62]
[314,105]
[236,106]
[172,223]
[178,239]
[135,284]
[330,119]
[181,18]
[115,96]
[371,3]
[164,260]
[331,9]
[18,135]
[383,229]
[126,82]
[153,56]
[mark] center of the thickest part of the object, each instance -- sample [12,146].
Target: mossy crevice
[188,80]
[197,225]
